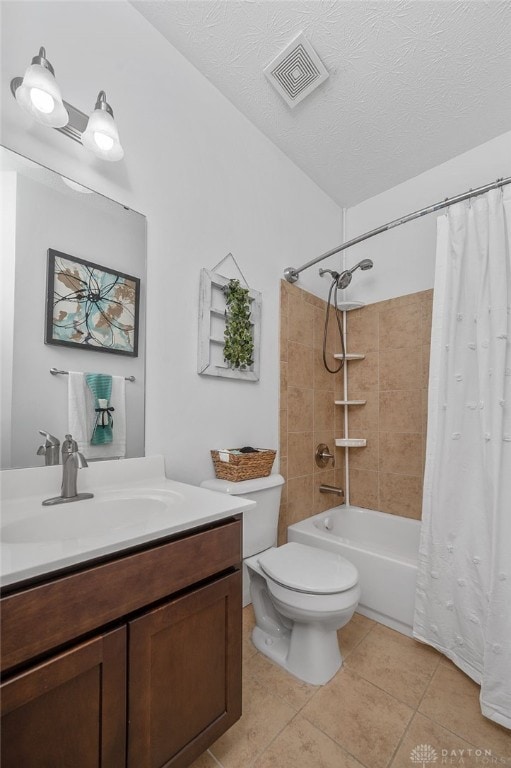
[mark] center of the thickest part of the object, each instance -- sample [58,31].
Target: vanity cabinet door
[69,711]
[184,675]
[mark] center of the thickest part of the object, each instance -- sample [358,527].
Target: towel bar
[55,372]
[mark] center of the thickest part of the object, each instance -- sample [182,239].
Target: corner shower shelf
[350,402]
[349,356]
[351,442]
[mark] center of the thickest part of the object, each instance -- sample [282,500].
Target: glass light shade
[102,137]
[39,95]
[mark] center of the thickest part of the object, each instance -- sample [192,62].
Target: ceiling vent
[296,71]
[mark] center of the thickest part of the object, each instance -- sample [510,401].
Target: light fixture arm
[77,121]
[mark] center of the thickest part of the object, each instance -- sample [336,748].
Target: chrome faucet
[50,449]
[72,461]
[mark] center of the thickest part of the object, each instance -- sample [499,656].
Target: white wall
[90,228]
[404,258]
[209,184]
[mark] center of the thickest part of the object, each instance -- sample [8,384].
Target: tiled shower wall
[308,415]
[395,336]
[388,473]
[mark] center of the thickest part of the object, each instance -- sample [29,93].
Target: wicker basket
[244,466]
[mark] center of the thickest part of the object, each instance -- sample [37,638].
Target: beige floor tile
[264,716]
[279,682]
[452,700]
[354,631]
[205,761]
[363,719]
[448,748]
[401,666]
[301,745]
[248,648]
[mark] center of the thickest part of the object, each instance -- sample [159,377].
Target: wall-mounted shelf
[351,442]
[350,402]
[349,356]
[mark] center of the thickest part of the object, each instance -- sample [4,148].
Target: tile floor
[392,695]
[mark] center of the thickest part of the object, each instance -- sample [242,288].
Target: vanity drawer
[46,616]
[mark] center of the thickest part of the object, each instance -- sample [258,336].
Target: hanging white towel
[82,417]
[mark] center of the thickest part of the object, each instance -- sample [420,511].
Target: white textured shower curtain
[463,599]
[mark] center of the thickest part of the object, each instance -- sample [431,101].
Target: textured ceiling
[412,83]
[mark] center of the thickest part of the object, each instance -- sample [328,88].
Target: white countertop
[168,508]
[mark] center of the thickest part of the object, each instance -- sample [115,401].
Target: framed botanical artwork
[89,306]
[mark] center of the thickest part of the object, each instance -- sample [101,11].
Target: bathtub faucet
[331,489]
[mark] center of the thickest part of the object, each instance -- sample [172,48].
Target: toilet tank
[260,523]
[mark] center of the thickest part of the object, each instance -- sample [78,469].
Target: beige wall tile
[300,321]
[400,368]
[299,496]
[363,374]
[362,325]
[364,488]
[401,453]
[300,454]
[425,366]
[426,318]
[283,472]
[360,717]
[283,385]
[322,378]
[283,434]
[364,417]
[300,365]
[367,457]
[300,409]
[283,524]
[400,411]
[401,494]
[323,410]
[400,326]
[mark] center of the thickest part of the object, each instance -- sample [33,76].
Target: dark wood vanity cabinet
[150,682]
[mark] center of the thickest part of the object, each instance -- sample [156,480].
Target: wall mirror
[42,211]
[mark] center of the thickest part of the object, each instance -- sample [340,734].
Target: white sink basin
[92,518]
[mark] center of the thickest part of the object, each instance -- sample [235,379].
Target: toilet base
[309,653]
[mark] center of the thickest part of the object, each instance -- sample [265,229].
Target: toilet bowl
[301,595]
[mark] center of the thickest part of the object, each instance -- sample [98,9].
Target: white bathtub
[383,547]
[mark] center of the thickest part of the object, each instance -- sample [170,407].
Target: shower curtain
[463,598]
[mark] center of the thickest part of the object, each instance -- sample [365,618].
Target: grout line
[210,753]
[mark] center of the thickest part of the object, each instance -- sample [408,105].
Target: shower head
[344,278]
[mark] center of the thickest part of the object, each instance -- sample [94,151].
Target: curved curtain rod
[291,274]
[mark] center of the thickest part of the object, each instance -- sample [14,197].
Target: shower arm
[291,273]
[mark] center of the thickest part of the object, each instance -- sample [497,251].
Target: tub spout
[331,489]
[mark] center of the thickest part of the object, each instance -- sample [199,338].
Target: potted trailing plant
[239,344]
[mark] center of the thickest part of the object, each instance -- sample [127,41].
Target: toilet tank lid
[244,486]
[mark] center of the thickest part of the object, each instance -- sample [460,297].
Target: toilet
[301,595]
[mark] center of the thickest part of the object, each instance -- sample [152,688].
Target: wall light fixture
[38,94]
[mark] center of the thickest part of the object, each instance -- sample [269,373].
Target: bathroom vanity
[130,658]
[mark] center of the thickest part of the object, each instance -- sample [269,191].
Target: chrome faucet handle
[323,456]
[49,439]
[49,449]
[79,460]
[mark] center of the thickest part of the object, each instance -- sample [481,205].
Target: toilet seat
[308,570]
